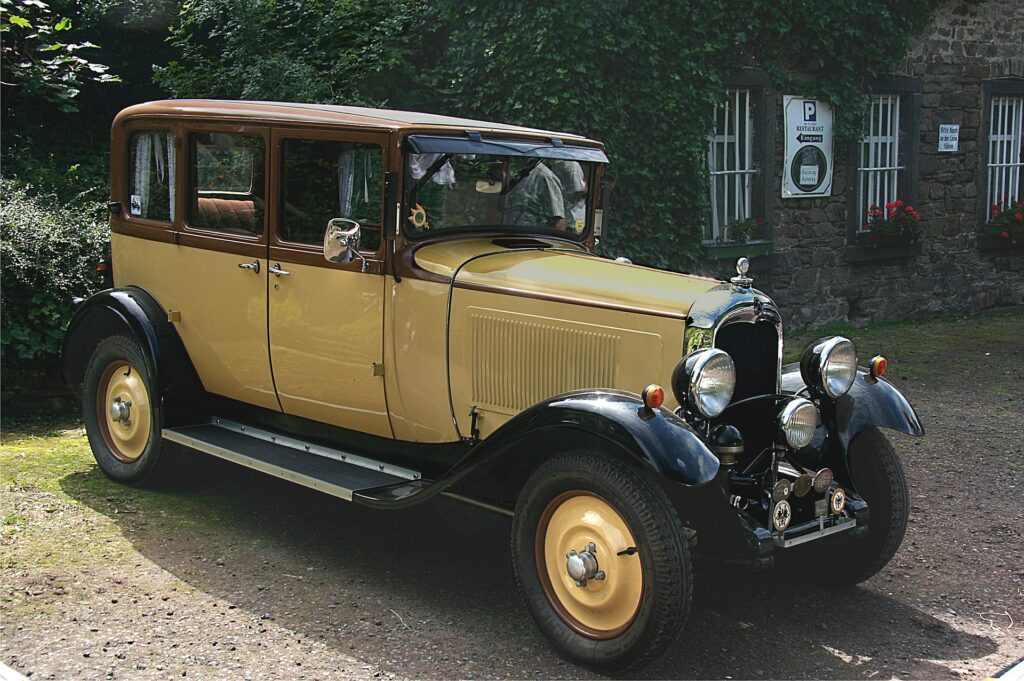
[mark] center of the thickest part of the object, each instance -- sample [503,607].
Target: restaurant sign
[808,166]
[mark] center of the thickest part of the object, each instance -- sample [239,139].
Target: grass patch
[906,343]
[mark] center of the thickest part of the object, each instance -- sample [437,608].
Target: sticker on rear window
[136,204]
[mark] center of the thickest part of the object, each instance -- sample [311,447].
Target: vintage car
[388,306]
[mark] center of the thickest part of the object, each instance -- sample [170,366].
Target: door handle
[254,266]
[276,270]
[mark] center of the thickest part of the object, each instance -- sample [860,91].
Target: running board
[328,470]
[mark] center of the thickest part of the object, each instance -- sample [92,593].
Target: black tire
[146,458]
[664,558]
[878,478]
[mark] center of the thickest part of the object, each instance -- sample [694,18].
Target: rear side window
[226,192]
[152,165]
[327,179]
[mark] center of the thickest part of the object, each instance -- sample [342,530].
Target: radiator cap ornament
[741,280]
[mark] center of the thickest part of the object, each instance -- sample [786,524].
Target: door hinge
[376,369]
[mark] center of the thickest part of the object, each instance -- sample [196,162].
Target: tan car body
[408,356]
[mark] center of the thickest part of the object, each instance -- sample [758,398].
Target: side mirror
[341,241]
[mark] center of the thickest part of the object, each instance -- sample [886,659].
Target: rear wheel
[122,417]
[601,561]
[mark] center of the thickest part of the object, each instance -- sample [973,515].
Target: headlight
[829,366]
[798,421]
[704,381]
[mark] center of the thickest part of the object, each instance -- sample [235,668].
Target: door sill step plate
[329,470]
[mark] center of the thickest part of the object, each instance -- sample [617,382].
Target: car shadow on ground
[429,592]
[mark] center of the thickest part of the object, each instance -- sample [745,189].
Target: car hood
[562,272]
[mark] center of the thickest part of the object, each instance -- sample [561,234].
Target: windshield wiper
[522,175]
[431,171]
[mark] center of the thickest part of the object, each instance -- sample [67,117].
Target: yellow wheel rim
[604,608]
[124,411]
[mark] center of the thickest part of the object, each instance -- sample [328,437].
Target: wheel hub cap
[583,565]
[588,566]
[124,411]
[120,412]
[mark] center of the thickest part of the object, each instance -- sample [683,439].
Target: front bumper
[812,530]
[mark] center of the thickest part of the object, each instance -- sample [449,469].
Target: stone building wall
[813,277]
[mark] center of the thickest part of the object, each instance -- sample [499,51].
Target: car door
[326,318]
[207,267]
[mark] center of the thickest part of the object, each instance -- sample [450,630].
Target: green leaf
[19,21]
[63,25]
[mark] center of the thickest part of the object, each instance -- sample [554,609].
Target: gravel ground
[235,575]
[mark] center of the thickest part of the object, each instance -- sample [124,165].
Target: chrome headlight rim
[686,380]
[815,369]
[795,414]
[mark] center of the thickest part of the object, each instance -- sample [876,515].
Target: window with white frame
[731,168]
[878,168]
[1006,128]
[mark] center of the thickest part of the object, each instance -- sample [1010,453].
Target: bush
[48,254]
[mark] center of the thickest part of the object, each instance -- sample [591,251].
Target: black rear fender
[133,312]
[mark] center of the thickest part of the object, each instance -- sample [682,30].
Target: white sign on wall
[808,165]
[949,137]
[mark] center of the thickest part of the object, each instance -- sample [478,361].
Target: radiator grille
[517,363]
[754,349]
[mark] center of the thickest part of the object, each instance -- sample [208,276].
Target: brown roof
[287,112]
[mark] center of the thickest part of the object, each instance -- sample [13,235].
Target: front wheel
[877,476]
[601,560]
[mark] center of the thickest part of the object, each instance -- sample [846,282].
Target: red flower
[1004,234]
[867,226]
[898,202]
[994,212]
[1019,216]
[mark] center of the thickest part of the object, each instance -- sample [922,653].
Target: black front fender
[658,437]
[658,441]
[867,404]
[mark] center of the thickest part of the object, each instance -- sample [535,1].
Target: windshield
[482,191]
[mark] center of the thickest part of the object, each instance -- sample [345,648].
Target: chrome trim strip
[842,524]
[311,448]
[263,467]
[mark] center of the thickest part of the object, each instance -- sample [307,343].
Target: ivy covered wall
[641,76]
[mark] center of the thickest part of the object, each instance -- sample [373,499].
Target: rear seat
[236,215]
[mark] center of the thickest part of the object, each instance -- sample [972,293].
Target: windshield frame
[593,157]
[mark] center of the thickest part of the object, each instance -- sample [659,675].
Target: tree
[40,57]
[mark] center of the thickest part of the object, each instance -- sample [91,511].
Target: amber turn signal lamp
[878,366]
[653,396]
